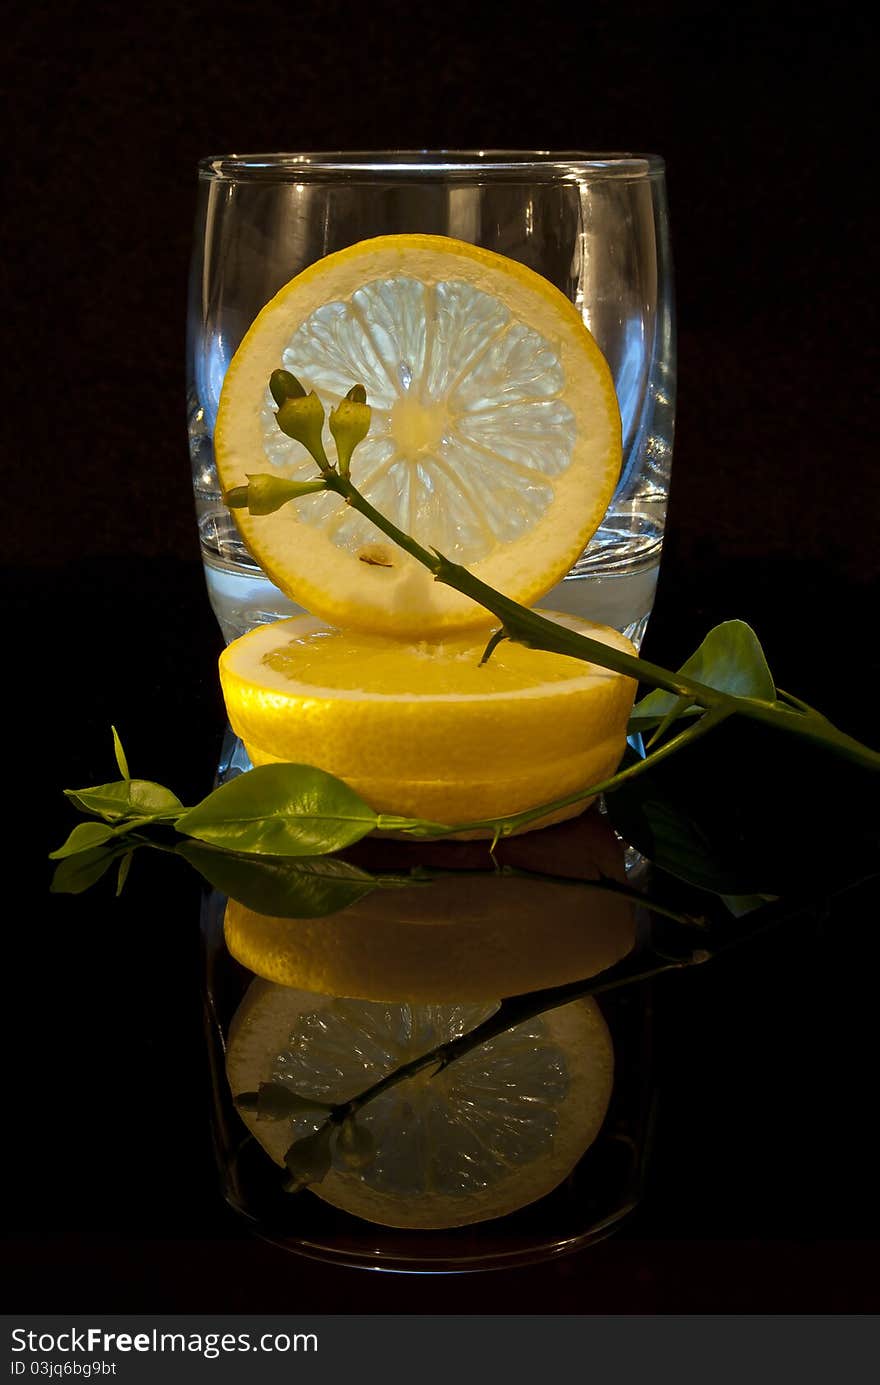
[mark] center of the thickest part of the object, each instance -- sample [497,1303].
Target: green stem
[603,883]
[529,628]
[505,827]
[510,1013]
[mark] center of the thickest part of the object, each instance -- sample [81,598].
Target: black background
[762,1197]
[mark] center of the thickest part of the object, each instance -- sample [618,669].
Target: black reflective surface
[761,1188]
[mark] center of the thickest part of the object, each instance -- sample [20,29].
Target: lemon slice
[495,430]
[457,938]
[497,1129]
[423,730]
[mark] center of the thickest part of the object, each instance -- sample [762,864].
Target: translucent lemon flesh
[498,1129]
[495,431]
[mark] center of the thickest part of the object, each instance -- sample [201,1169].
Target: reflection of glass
[593,225]
[520,1148]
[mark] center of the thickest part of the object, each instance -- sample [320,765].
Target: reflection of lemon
[459,937]
[497,1129]
[495,431]
[424,730]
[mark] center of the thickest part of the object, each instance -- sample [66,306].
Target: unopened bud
[264,493]
[303,419]
[349,424]
[284,386]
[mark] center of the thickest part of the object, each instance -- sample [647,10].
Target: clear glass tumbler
[594,225]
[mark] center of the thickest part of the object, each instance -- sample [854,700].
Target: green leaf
[126,798]
[730,659]
[78,873]
[121,760]
[299,888]
[84,837]
[308,1160]
[281,810]
[275,1102]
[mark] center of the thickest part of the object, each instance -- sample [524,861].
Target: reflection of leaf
[77,873]
[676,842]
[744,810]
[308,1160]
[300,888]
[281,810]
[742,904]
[125,798]
[274,1102]
[730,659]
[122,875]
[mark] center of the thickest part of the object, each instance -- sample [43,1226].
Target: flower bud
[283,386]
[349,424]
[302,418]
[264,493]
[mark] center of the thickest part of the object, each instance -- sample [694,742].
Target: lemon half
[497,1129]
[456,938]
[424,730]
[495,434]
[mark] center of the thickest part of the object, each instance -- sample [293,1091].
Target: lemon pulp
[495,431]
[499,1128]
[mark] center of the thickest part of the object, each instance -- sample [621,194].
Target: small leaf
[355,1145]
[295,888]
[281,810]
[126,798]
[308,1160]
[77,873]
[121,761]
[84,837]
[730,659]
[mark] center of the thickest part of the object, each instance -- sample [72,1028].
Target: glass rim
[430,164]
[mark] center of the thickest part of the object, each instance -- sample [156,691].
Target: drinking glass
[594,225]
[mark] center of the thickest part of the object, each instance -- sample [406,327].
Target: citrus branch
[301,416]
